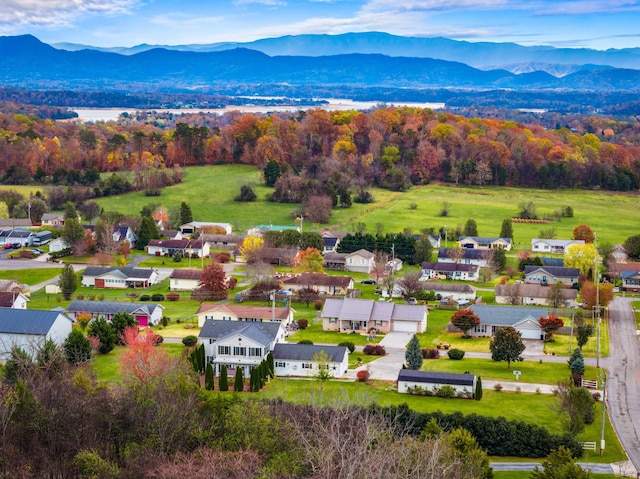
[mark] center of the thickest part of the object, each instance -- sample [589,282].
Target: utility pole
[604,407]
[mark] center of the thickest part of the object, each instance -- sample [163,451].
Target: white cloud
[177,20]
[57,12]
[268,3]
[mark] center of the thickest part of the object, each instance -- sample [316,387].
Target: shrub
[305,341]
[101,297]
[455,354]
[317,304]
[363,375]
[91,297]
[497,387]
[374,350]
[430,353]
[446,391]
[80,296]
[349,345]
[303,323]
[164,321]
[157,297]
[190,340]
[158,340]
[596,396]
[145,297]
[173,296]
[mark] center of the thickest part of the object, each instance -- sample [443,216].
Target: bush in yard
[173,296]
[318,304]
[305,341]
[497,388]
[446,391]
[303,323]
[430,353]
[349,345]
[145,297]
[363,375]
[455,354]
[190,340]
[79,296]
[374,350]
[157,297]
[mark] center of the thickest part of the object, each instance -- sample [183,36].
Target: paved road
[623,380]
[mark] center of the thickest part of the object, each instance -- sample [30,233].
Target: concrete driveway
[396,340]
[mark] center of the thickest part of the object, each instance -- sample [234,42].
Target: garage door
[530,333]
[405,326]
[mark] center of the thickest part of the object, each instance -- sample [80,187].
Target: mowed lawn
[30,277]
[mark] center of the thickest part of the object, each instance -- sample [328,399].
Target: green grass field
[30,276]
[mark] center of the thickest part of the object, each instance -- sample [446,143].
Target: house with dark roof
[492,318]
[29,329]
[452,271]
[362,315]
[410,381]
[480,242]
[188,248]
[13,299]
[184,279]
[320,282]
[478,257]
[146,314]
[124,233]
[101,277]
[239,344]
[533,294]
[302,360]
[330,244]
[19,236]
[631,280]
[199,226]
[253,314]
[545,275]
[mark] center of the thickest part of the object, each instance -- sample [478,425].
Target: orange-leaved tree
[585,233]
[143,359]
[213,284]
[310,260]
[589,297]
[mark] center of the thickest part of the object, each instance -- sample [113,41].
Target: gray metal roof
[553,271]
[436,377]
[408,312]
[129,272]
[110,307]
[449,267]
[27,321]
[467,253]
[448,287]
[370,310]
[262,333]
[532,290]
[306,352]
[507,315]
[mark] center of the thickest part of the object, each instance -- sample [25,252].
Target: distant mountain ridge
[29,63]
[481,55]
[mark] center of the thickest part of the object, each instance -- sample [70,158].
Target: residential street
[623,380]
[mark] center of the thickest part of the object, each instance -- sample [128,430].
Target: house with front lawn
[124,233]
[480,242]
[478,257]
[220,241]
[322,283]
[451,271]
[457,291]
[13,299]
[184,279]
[524,320]
[362,315]
[533,294]
[545,275]
[192,227]
[101,277]
[253,314]
[185,247]
[239,344]
[414,382]
[147,314]
[631,280]
[300,360]
[20,236]
[54,220]
[29,329]
[556,246]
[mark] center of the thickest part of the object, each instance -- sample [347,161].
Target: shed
[432,380]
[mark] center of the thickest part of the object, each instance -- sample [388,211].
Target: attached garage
[405,326]
[529,329]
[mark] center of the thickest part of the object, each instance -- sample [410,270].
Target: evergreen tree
[423,250]
[77,348]
[498,260]
[271,173]
[70,211]
[120,321]
[72,232]
[238,384]
[470,228]
[271,366]
[478,394]
[147,232]
[224,379]
[507,229]
[19,361]
[414,354]
[68,282]
[507,345]
[583,333]
[208,378]
[185,214]
[101,329]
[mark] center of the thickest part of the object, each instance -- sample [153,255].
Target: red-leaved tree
[550,325]
[143,360]
[465,319]
[213,284]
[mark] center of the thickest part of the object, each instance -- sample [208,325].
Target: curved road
[623,378]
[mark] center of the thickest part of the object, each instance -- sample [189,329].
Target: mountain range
[27,62]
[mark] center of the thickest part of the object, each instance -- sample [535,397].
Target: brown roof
[186,274]
[620,267]
[14,222]
[335,257]
[9,285]
[279,253]
[533,290]
[318,279]
[257,312]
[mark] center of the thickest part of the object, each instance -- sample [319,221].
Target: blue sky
[595,24]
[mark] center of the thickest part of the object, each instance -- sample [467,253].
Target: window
[481,328]
[239,351]
[280,364]
[332,320]
[224,350]
[255,351]
[377,322]
[307,366]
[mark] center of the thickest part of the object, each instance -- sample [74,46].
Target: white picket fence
[589,446]
[590,384]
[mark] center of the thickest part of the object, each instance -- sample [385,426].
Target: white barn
[300,360]
[29,329]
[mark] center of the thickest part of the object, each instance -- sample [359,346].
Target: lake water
[112,114]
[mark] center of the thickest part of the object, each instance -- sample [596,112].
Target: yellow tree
[251,247]
[582,256]
[310,260]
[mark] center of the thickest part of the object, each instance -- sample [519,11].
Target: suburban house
[229,242]
[551,274]
[124,233]
[262,229]
[334,261]
[533,294]
[478,242]
[199,226]
[524,320]
[408,380]
[452,271]
[255,314]
[631,280]
[55,220]
[457,291]
[301,360]
[147,314]
[279,256]
[28,329]
[12,223]
[619,254]
[186,247]
[18,235]
[543,245]
[435,241]
[238,344]
[15,300]
[322,283]
[331,240]
[57,245]
[184,279]
[12,286]
[101,277]
[361,261]
[478,257]
[362,315]
[617,269]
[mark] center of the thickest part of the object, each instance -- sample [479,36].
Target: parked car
[37,251]
[368,281]
[8,246]
[16,246]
